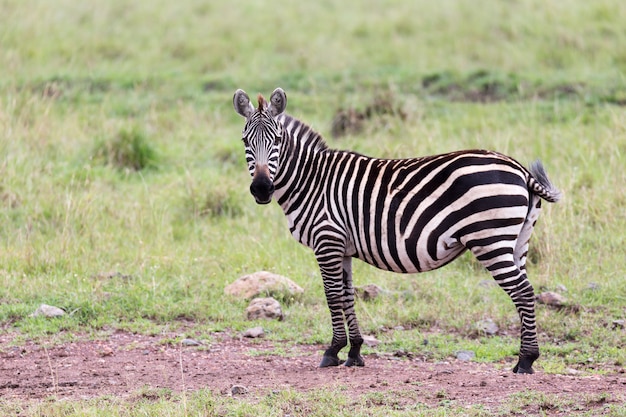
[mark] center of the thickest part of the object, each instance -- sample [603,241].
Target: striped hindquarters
[419,214]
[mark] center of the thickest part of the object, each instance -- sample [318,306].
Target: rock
[48,311]
[370,341]
[618,324]
[254,332]
[106,351]
[465,355]
[264,308]
[263,283]
[238,390]
[561,288]
[487,326]
[368,292]
[551,299]
[190,342]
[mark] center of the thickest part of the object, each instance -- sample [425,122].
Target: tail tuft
[541,185]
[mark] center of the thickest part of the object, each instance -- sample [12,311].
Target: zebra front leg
[332,275]
[339,341]
[337,278]
[356,340]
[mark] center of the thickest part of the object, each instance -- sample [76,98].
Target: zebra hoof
[329,361]
[525,364]
[519,369]
[358,361]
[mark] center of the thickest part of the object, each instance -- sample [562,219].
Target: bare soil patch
[127,363]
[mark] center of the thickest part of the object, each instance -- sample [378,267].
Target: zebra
[402,215]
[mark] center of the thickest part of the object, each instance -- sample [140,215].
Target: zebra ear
[242,104]
[278,102]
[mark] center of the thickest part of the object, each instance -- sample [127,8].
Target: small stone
[400,353]
[106,351]
[263,283]
[487,326]
[551,299]
[48,311]
[190,342]
[465,355]
[399,328]
[593,286]
[238,390]
[370,341]
[368,292]
[618,324]
[254,332]
[561,288]
[264,308]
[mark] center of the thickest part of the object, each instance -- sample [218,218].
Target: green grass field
[124,190]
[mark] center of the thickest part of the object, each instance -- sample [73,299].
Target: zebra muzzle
[262,188]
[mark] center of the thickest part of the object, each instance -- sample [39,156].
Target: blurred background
[124,191]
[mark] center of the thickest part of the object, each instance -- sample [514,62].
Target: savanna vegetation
[124,191]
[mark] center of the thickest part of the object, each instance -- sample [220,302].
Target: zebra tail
[539,184]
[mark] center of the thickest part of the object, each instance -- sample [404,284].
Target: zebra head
[261,136]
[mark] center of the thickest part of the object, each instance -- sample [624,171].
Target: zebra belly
[438,243]
[408,267]
[405,264]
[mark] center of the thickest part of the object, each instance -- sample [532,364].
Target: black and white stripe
[402,215]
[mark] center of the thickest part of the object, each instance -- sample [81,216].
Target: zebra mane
[262,103]
[303,134]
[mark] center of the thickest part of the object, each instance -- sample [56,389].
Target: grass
[123,187]
[150,401]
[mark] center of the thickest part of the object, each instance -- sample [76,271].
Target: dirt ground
[126,363]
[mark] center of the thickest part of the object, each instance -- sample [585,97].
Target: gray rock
[238,390]
[370,341]
[618,324]
[465,355]
[264,308]
[48,311]
[551,299]
[263,283]
[190,342]
[561,288]
[254,332]
[487,326]
[369,292]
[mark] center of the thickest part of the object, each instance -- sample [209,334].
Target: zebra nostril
[262,189]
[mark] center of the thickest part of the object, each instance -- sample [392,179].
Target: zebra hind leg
[502,265]
[528,356]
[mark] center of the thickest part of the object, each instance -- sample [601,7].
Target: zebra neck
[301,159]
